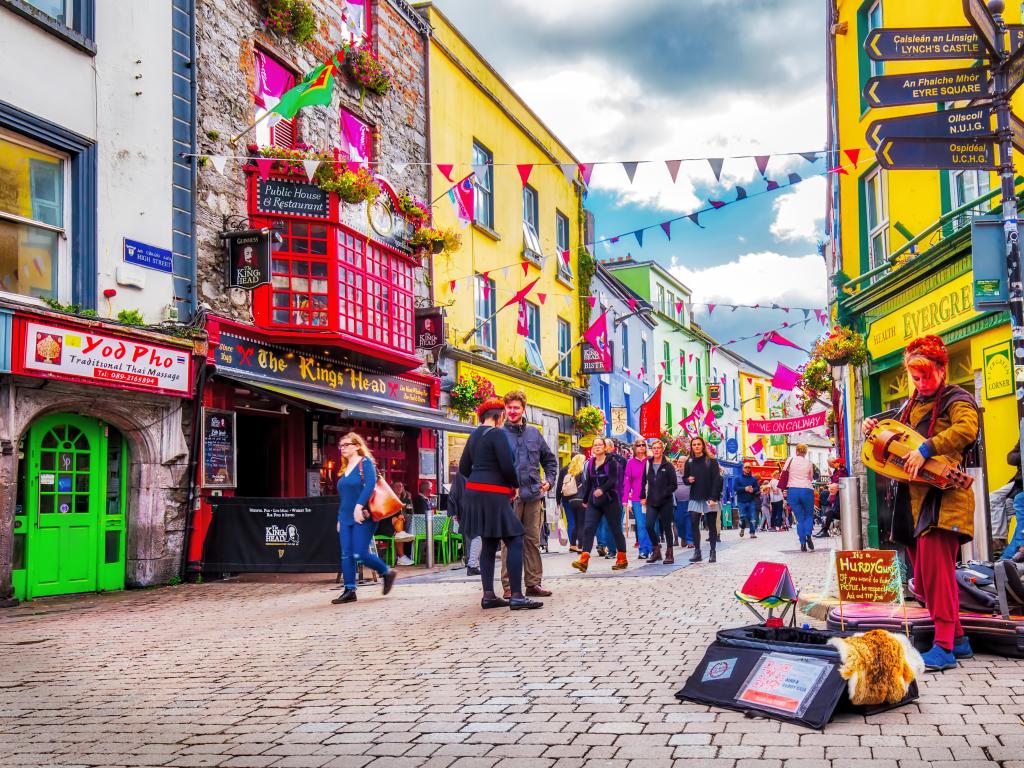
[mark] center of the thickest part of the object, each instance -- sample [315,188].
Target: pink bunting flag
[586,169]
[666,227]
[526,267]
[592,301]
[682,358]
[446,170]
[542,297]
[661,377]
[689,379]
[565,257]
[772,185]
[523,320]
[785,378]
[613,239]
[821,315]
[679,307]
[716,204]
[774,337]
[691,359]
[263,165]
[632,304]
[486,290]
[762,163]
[525,169]
[749,380]
[673,168]
[711,308]
[785,325]
[664,364]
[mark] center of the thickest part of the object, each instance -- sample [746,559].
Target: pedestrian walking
[567,494]
[800,495]
[356,482]
[532,457]
[704,477]
[657,489]
[488,465]
[471,544]
[681,514]
[830,513]
[605,539]
[777,503]
[634,477]
[601,494]
[748,497]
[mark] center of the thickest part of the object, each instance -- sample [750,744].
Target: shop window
[483,186]
[485,307]
[667,351]
[564,345]
[876,216]
[273,79]
[33,254]
[358,137]
[531,238]
[562,244]
[966,187]
[355,19]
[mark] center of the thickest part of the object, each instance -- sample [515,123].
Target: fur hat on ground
[878,666]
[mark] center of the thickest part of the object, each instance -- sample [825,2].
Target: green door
[74,507]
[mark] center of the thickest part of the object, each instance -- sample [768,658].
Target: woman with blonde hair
[800,495]
[356,482]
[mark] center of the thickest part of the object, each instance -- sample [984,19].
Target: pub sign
[248,254]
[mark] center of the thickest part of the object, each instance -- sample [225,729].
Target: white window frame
[874,17]
[564,271]
[483,188]
[625,345]
[564,345]
[533,356]
[958,197]
[64,232]
[531,235]
[875,186]
[483,308]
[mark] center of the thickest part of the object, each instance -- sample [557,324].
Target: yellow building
[900,246]
[520,233]
[755,396]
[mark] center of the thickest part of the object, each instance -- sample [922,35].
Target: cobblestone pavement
[271,674]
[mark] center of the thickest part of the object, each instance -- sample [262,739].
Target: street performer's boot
[669,558]
[620,562]
[581,564]
[655,554]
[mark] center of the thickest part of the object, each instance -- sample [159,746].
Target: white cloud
[759,278]
[800,214]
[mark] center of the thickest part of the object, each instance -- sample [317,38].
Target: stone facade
[228,32]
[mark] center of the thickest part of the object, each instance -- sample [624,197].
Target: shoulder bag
[383,502]
[783,483]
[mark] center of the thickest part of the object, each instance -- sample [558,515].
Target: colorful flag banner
[523,323]
[461,196]
[597,337]
[520,294]
[650,415]
[757,448]
[775,338]
[586,169]
[786,426]
[785,378]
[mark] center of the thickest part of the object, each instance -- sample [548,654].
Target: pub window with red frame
[273,79]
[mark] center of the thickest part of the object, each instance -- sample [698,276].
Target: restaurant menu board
[219,453]
[784,683]
[868,576]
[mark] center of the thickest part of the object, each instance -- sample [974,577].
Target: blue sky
[669,79]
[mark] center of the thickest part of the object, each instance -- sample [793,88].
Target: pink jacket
[634,476]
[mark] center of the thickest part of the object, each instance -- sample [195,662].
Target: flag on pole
[785,378]
[775,338]
[597,337]
[650,415]
[317,87]
[461,196]
[757,448]
[523,323]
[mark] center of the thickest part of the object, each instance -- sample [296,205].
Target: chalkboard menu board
[291,197]
[219,456]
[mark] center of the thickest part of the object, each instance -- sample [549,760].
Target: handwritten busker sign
[785,426]
[867,576]
[276,196]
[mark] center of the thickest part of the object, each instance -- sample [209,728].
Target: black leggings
[662,513]
[711,518]
[579,521]
[610,513]
[514,556]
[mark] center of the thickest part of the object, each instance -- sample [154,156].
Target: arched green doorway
[70,518]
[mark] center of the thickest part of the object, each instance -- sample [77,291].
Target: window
[661,299]
[531,238]
[876,209]
[486,335]
[668,417]
[682,369]
[966,187]
[700,381]
[483,186]
[272,80]
[606,406]
[725,390]
[735,395]
[533,356]
[33,252]
[562,245]
[355,21]
[564,345]
[357,136]
[759,397]
[625,346]
[667,351]
[58,10]
[643,356]
[874,18]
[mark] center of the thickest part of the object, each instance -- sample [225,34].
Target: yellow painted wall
[750,383]
[462,112]
[1000,413]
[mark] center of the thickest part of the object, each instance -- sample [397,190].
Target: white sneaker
[404,536]
[403,560]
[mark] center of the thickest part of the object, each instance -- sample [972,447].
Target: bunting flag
[807,313]
[451,286]
[785,378]
[597,337]
[525,169]
[679,310]
[569,171]
[542,297]
[520,294]
[762,163]
[673,168]
[795,178]
[504,273]
[716,166]
[822,316]
[614,239]
[711,308]
[486,290]
[592,301]
[526,267]
[219,162]
[852,154]
[632,304]
[757,448]
[263,167]
[666,227]
[586,169]
[523,322]
[639,234]
[810,157]
[664,364]
[630,169]
[650,415]
[716,204]
[775,338]
[446,170]
[741,194]
[310,167]
[694,218]
[772,185]
[565,257]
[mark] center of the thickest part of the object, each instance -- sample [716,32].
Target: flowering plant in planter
[675,446]
[841,346]
[815,378]
[412,207]
[367,70]
[436,240]
[589,420]
[351,186]
[295,18]
[470,393]
[290,159]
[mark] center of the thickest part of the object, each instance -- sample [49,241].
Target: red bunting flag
[775,338]
[525,169]
[632,304]
[840,170]
[585,170]
[542,297]
[486,290]
[520,294]
[592,301]
[749,380]
[446,170]
[523,321]
[691,360]
[853,154]
[666,227]
[565,257]
[762,163]
[451,286]
[526,267]
[673,168]
[263,166]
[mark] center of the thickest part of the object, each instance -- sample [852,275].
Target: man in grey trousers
[532,455]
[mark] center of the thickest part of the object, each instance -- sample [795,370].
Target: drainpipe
[193,148]
[193,471]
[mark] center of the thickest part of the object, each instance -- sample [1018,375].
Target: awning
[354,408]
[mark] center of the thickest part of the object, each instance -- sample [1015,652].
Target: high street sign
[950,124]
[923,87]
[978,15]
[932,154]
[902,44]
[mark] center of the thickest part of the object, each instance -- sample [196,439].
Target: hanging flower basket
[367,71]
[589,420]
[294,18]
[351,186]
[842,346]
[436,240]
[468,394]
[413,208]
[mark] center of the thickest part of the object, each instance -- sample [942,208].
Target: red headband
[490,404]
[931,347]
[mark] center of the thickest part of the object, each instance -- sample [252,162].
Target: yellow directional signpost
[931,154]
[949,124]
[924,87]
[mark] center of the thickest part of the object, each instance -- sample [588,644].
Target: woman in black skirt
[486,509]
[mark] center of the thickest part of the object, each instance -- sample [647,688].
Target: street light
[620,320]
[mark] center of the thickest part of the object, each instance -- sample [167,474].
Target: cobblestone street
[258,674]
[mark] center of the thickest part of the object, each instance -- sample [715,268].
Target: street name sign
[924,87]
[977,13]
[932,154]
[904,44]
[949,124]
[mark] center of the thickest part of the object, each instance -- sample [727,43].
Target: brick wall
[228,32]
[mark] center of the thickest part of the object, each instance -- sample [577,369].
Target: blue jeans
[356,539]
[681,515]
[802,502]
[641,529]
[748,516]
[1018,532]
[604,534]
[570,521]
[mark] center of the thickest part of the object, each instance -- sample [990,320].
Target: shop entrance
[260,466]
[71,508]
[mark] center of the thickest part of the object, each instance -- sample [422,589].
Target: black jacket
[605,477]
[657,486]
[743,482]
[707,479]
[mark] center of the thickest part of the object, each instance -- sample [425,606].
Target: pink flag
[525,169]
[446,170]
[757,448]
[592,301]
[853,154]
[585,170]
[632,304]
[597,337]
[263,166]
[679,309]
[775,338]
[762,163]
[664,363]
[711,308]
[523,324]
[526,267]
[565,257]
[461,196]
[487,290]
[520,294]
[716,204]
[673,168]
[542,297]
[821,315]
[785,378]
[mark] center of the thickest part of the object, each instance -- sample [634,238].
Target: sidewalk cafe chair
[389,548]
[456,545]
[441,524]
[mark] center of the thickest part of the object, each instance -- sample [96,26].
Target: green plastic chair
[441,526]
[456,544]
[389,550]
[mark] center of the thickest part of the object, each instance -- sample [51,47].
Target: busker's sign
[786,426]
[867,576]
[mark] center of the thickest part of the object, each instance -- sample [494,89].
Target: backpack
[569,485]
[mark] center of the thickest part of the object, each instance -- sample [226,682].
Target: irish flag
[316,87]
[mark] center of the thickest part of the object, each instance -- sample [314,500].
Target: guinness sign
[248,254]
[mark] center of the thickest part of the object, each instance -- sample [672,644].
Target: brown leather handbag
[383,502]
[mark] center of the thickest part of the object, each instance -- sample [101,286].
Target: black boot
[348,596]
[810,544]
[711,557]
[655,555]
[803,546]
[696,556]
